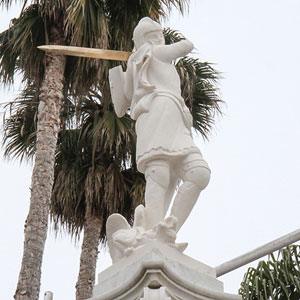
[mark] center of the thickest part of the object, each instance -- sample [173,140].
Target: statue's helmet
[145,26]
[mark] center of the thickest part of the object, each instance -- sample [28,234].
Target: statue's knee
[199,175]
[158,173]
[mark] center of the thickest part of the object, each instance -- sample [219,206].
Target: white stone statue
[167,155]
[165,150]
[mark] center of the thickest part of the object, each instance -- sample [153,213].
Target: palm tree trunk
[88,258]
[36,224]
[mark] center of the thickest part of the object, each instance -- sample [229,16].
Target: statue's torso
[164,77]
[163,125]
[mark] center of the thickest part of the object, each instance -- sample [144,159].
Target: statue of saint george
[165,150]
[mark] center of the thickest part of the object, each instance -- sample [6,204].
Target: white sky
[253,196]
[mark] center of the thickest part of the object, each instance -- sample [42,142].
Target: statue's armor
[167,80]
[163,122]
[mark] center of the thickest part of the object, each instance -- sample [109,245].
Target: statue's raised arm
[168,53]
[165,150]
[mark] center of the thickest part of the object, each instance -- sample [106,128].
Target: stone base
[159,272]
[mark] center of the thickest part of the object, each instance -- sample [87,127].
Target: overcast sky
[253,196]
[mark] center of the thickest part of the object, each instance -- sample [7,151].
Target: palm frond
[7,3]
[92,166]
[51,9]
[20,122]
[18,52]
[86,26]
[277,278]
[181,5]
[110,134]
[172,36]
[20,127]
[124,15]
[198,85]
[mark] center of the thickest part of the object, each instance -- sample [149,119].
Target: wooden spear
[87,52]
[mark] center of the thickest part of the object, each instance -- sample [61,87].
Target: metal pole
[48,296]
[258,253]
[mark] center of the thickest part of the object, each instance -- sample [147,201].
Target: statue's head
[148,30]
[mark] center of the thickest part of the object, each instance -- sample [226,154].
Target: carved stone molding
[155,294]
[157,270]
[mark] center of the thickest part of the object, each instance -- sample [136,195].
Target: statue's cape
[137,69]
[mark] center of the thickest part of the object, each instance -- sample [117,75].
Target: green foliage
[278,278]
[198,86]
[8,3]
[18,44]
[89,23]
[95,170]
[172,36]
[20,127]
[86,25]
[122,24]
[18,52]
[20,123]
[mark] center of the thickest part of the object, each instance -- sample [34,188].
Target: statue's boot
[157,182]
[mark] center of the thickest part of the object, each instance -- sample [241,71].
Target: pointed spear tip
[43,47]
[51,47]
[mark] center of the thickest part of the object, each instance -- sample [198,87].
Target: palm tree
[80,23]
[95,176]
[278,278]
[94,173]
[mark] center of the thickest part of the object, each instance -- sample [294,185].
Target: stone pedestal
[157,271]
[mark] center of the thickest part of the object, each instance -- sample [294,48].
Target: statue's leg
[174,180]
[195,175]
[157,176]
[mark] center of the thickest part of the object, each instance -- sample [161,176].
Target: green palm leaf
[277,278]
[20,127]
[18,52]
